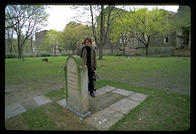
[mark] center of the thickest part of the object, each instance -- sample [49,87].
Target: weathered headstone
[76,85]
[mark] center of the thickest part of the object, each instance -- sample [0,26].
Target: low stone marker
[41,100]
[76,85]
[14,110]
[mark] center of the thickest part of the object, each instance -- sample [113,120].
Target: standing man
[88,56]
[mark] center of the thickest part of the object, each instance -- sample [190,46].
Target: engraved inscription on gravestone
[76,84]
[72,77]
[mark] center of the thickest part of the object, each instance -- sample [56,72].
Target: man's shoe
[92,94]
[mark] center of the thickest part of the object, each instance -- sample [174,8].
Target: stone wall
[164,51]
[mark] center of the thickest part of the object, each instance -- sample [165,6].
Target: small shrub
[65,54]
[11,55]
[44,54]
[28,55]
[120,53]
[138,54]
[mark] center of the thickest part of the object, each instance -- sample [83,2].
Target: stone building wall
[39,38]
[164,41]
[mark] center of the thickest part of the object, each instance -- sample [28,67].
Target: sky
[61,15]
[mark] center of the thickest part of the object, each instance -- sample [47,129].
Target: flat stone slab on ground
[124,105]
[14,110]
[101,102]
[29,103]
[99,92]
[122,92]
[41,100]
[62,102]
[104,119]
[107,89]
[137,97]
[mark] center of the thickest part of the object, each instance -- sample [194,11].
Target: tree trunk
[112,49]
[19,53]
[100,53]
[93,26]
[101,33]
[147,45]
[31,44]
[11,46]
[146,50]
[124,49]
[19,49]
[55,50]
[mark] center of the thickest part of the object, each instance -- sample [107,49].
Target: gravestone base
[82,116]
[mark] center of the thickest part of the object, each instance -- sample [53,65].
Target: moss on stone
[80,67]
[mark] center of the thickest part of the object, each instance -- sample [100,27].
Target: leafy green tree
[74,34]
[52,40]
[117,27]
[142,24]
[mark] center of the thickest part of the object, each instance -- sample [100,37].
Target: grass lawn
[165,80]
[33,69]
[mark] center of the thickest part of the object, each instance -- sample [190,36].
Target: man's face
[87,43]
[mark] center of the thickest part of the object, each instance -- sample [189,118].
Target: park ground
[165,79]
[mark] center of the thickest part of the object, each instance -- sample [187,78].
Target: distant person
[127,54]
[88,56]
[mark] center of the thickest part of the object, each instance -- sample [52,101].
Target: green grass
[155,77]
[56,94]
[168,72]
[38,119]
[161,111]
[33,69]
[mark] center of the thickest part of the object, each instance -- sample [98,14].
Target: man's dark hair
[89,39]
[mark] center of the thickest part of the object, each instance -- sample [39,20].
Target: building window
[166,40]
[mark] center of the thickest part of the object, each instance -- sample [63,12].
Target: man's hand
[85,65]
[94,71]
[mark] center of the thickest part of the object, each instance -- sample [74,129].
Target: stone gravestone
[76,85]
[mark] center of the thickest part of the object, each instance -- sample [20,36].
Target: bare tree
[9,39]
[25,20]
[100,20]
[103,21]
[10,17]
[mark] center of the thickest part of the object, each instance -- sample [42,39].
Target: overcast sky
[61,15]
